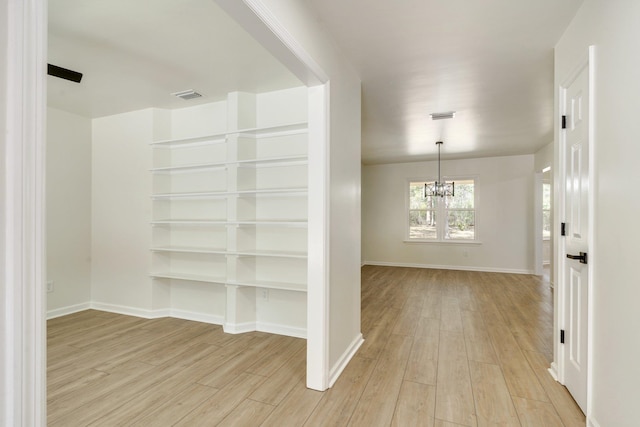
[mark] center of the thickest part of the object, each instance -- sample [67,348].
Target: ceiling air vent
[442,116]
[187,94]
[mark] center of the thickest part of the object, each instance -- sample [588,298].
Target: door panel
[576,208]
[576,355]
[577,203]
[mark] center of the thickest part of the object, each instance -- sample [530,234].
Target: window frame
[441,211]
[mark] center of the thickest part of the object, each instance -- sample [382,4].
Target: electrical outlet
[265,294]
[465,253]
[50,286]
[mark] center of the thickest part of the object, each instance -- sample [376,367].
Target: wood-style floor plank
[422,365]
[295,408]
[442,348]
[416,405]
[565,406]
[533,413]
[493,401]
[247,413]
[215,409]
[282,381]
[337,405]
[377,402]
[476,338]
[174,408]
[454,396]
[79,399]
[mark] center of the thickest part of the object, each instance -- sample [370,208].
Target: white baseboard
[553,371]
[274,328]
[63,311]
[229,328]
[197,317]
[591,422]
[342,362]
[238,328]
[131,311]
[449,267]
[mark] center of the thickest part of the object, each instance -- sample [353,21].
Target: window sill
[445,242]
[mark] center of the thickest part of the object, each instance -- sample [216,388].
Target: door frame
[22,201]
[558,367]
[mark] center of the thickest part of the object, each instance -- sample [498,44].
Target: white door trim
[587,62]
[23,327]
[318,260]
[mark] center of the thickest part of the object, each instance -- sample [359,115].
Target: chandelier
[439,188]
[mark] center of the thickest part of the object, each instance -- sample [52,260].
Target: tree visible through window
[442,218]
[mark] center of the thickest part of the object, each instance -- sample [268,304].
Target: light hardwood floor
[442,348]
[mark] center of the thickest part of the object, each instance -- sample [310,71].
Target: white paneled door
[576,241]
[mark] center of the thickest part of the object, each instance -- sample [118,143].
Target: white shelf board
[300,191]
[274,161]
[190,168]
[217,138]
[188,222]
[274,254]
[297,287]
[188,276]
[191,195]
[272,131]
[290,223]
[189,250]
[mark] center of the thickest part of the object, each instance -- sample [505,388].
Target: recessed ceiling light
[187,94]
[441,116]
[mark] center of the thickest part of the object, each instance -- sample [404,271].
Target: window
[546,211]
[442,218]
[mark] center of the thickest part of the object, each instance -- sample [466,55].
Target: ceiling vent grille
[187,94]
[442,116]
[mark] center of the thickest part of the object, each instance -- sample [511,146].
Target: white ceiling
[491,61]
[134,53]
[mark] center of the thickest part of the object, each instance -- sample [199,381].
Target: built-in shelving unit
[230,209]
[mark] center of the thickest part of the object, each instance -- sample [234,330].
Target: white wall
[543,157]
[121,212]
[68,211]
[7,329]
[4,106]
[612,26]
[504,218]
[344,172]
